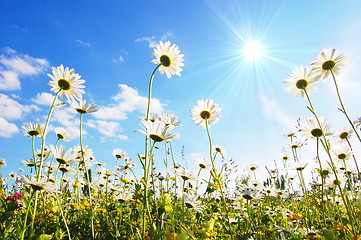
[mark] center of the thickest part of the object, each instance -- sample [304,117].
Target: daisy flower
[2,162]
[62,133]
[186,174]
[191,202]
[328,60]
[342,153]
[31,129]
[158,131]
[252,167]
[312,129]
[169,58]
[220,150]
[81,106]
[67,82]
[300,80]
[202,163]
[119,153]
[30,162]
[205,110]
[169,119]
[343,135]
[39,185]
[68,157]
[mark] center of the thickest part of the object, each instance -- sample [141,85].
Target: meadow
[65,194]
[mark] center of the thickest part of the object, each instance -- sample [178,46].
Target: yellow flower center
[36,187]
[64,84]
[165,60]
[301,84]
[33,133]
[205,115]
[80,110]
[316,132]
[344,135]
[60,136]
[328,65]
[341,156]
[188,205]
[61,160]
[156,137]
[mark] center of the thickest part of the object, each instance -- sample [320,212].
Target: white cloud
[129,101]
[44,98]
[152,41]
[14,65]
[11,109]
[83,43]
[273,110]
[107,128]
[7,129]
[121,58]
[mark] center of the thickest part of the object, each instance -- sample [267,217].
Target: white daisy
[300,80]
[169,119]
[67,158]
[39,185]
[328,60]
[205,110]
[119,153]
[191,202]
[62,134]
[31,129]
[81,106]
[343,135]
[313,130]
[158,131]
[67,82]
[169,57]
[2,162]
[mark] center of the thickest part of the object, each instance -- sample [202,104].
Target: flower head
[158,131]
[169,58]
[205,110]
[313,130]
[67,158]
[119,153]
[62,134]
[169,119]
[39,185]
[300,80]
[67,82]
[342,153]
[191,202]
[343,135]
[2,162]
[31,129]
[82,107]
[328,60]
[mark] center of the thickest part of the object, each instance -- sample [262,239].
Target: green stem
[86,173]
[343,107]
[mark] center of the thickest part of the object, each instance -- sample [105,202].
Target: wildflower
[158,131]
[342,153]
[169,58]
[299,166]
[81,106]
[333,182]
[205,111]
[191,202]
[84,152]
[328,61]
[285,157]
[300,81]
[39,185]
[31,129]
[119,153]
[343,135]
[2,162]
[220,150]
[169,119]
[66,169]
[68,157]
[128,164]
[62,134]
[45,152]
[30,162]
[312,129]
[252,167]
[186,174]
[12,175]
[295,145]
[67,82]
[202,163]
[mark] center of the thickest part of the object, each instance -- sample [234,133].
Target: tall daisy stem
[343,107]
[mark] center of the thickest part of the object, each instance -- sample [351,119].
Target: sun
[252,51]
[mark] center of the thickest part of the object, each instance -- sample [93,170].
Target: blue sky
[109,43]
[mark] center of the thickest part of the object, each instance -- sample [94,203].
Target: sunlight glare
[252,51]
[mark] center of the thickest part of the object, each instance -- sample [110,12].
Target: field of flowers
[66,194]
